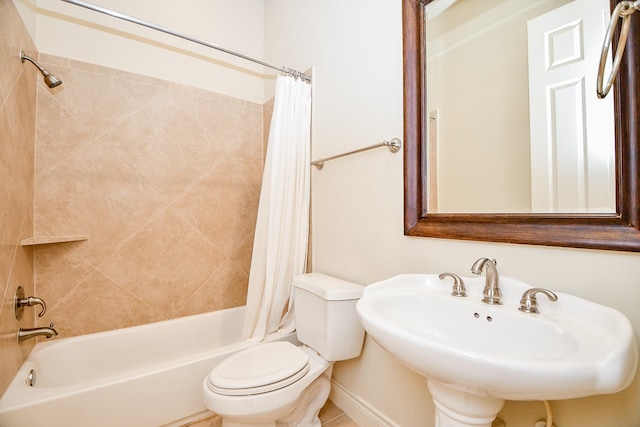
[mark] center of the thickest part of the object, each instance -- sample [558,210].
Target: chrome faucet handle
[529,302]
[458,289]
[20,301]
[31,301]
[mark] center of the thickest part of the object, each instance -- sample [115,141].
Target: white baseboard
[358,409]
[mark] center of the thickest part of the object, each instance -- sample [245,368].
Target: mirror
[611,225]
[509,110]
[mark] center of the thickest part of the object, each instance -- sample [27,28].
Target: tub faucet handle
[458,289]
[20,302]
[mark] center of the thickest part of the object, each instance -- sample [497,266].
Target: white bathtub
[147,375]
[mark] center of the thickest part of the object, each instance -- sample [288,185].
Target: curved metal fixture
[623,10]
[491,293]
[529,302]
[28,333]
[458,289]
[394,146]
[50,79]
[20,302]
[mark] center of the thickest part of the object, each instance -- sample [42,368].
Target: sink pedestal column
[457,408]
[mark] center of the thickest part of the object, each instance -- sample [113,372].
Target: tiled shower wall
[17,133]
[164,180]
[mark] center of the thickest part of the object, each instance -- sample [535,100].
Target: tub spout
[27,333]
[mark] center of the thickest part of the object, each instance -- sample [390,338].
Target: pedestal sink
[475,355]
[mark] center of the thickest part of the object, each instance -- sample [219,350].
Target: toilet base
[304,413]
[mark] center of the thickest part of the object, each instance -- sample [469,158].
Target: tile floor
[330,416]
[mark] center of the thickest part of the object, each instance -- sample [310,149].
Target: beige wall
[356,50]
[17,133]
[164,179]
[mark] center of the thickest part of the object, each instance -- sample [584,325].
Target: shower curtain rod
[284,70]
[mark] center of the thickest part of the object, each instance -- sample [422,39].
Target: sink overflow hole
[477,316]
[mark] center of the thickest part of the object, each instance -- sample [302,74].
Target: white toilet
[279,384]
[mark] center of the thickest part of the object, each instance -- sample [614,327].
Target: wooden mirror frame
[619,231]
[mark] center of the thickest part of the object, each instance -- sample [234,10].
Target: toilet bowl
[278,383]
[267,391]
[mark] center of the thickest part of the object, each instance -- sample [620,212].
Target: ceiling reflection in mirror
[513,123]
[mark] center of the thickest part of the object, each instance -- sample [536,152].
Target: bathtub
[148,375]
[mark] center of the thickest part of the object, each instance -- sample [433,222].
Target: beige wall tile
[166,186]
[223,206]
[100,100]
[226,287]
[164,264]
[94,193]
[17,134]
[98,304]
[14,37]
[241,256]
[60,133]
[58,270]
[12,354]
[166,144]
[10,219]
[163,178]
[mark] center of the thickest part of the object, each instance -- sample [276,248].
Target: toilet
[281,384]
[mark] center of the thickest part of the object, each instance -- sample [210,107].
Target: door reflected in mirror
[513,123]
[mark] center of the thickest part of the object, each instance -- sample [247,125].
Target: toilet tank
[326,318]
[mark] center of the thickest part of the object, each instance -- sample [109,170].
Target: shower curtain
[282,228]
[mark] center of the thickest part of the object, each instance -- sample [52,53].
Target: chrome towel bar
[394,146]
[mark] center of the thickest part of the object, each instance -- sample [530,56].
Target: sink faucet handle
[529,302]
[458,289]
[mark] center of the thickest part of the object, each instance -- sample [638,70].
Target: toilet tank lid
[328,287]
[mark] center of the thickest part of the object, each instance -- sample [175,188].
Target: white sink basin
[572,348]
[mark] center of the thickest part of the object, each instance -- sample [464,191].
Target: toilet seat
[259,369]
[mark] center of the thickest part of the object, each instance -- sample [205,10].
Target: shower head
[50,79]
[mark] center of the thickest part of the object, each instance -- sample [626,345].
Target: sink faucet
[491,293]
[27,333]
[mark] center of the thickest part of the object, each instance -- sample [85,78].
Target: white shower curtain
[282,228]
